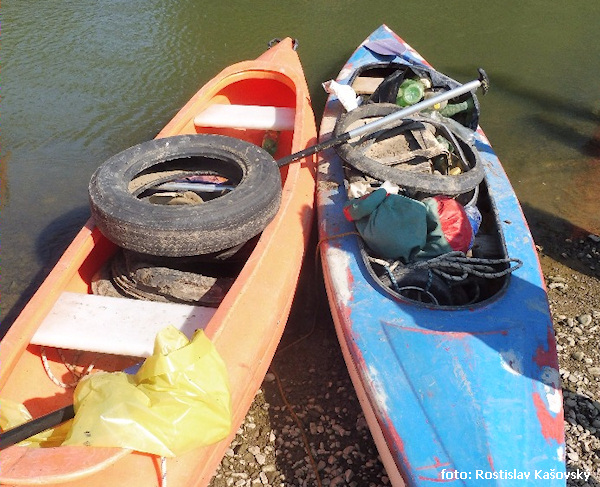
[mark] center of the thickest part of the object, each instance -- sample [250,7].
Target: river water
[84,80]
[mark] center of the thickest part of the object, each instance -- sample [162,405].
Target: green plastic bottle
[452,109]
[411,91]
[270,141]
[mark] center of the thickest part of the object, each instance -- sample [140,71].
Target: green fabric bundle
[398,227]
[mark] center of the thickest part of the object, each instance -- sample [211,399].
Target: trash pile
[417,194]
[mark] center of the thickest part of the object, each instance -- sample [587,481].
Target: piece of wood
[112,325]
[246,117]
[366,85]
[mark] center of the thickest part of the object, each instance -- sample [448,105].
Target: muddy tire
[354,154]
[186,230]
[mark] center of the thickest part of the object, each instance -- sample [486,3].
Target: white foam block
[247,117]
[118,326]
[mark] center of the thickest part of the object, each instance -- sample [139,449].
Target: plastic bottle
[438,106]
[270,141]
[452,109]
[411,91]
[474,217]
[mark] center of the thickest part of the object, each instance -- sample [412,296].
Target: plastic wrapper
[345,94]
[177,401]
[13,414]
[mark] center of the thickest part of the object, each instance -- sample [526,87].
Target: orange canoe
[245,328]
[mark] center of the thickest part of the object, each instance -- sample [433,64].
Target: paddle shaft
[35,426]
[195,187]
[390,119]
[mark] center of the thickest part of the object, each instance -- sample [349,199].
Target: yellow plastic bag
[13,414]
[177,401]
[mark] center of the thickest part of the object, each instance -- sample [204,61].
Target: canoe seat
[118,326]
[246,117]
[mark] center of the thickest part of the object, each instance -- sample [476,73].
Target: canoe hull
[246,327]
[455,395]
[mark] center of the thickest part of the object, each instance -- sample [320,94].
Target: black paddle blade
[485,81]
[35,426]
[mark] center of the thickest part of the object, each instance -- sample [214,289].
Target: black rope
[390,274]
[456,266]
[389,269]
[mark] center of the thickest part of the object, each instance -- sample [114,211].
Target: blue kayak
[453,358]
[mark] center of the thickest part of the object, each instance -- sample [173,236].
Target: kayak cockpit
[433,159]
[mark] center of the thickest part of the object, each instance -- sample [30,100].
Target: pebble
[585,320]
[557,285]
[594,238]
[578,355]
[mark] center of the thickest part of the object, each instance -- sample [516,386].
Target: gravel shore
[307,397]
[571,266]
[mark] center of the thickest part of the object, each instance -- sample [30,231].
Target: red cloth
[454,222]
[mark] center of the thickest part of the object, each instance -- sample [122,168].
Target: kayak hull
[457,395]
[245,328]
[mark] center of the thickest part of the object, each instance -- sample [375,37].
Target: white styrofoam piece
[118,326]
[246,116]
